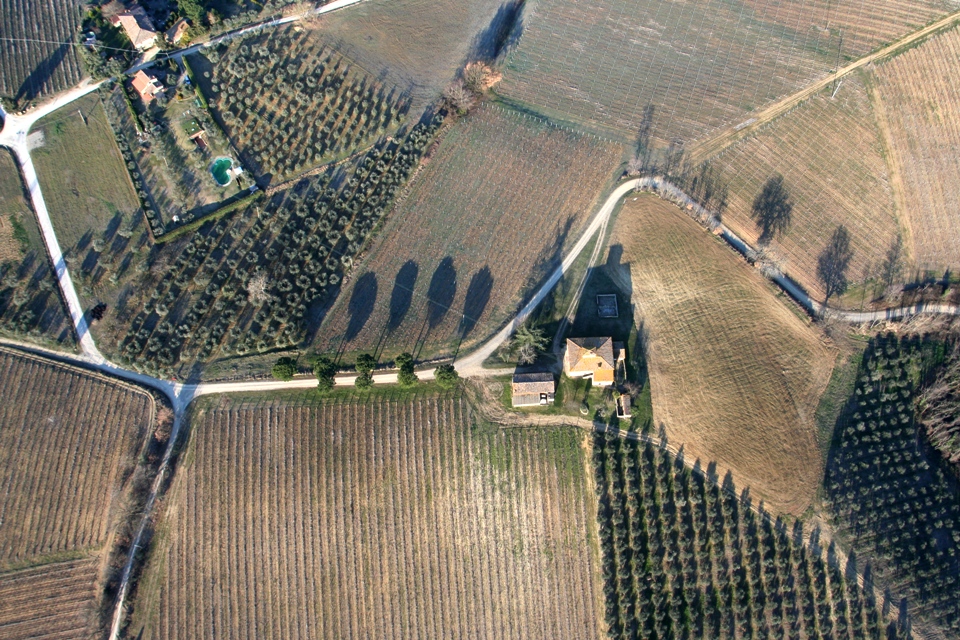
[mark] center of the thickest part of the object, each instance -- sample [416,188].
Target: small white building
[533,389]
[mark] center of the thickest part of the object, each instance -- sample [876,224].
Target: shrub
[364,380]
[285,369]
[326,372]
[446,376]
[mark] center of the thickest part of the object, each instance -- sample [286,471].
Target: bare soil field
[735,373]
[491,214]
[84,181]
[68,446]
[920,116]
[38,66]
[382,519]
[830,154]
[50,601]
[423,42]
[701,66]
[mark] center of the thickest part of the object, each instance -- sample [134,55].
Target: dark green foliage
[365,363]
[446,376]
[406,377]
[326,372]
[364,380]
[683,558]
[889,495]
[285,369]
[772,209]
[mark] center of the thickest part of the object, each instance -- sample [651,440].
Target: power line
[75,44]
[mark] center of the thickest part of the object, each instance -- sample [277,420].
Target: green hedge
[193,81]
[215,215]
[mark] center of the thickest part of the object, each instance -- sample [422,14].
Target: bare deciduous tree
[833,263]
[458,97]
[772,209]
[257,288]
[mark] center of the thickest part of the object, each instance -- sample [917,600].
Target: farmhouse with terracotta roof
[533,389]
[596,358]
[146,86]
[137,25]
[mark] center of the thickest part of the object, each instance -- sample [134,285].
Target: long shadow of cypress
[440,295]
[475,303]
[33,84]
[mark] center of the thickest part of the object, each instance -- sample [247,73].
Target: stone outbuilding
[533,389]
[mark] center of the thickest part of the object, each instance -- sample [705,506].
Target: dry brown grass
[831,156]
[68,443]
[702,66]
[422,41]
[13,206]
[735,373]
[503,196]
[920,97]
[385,519]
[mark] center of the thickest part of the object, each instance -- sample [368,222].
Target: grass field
[39,66]
[735,373]
[68,447]
[85,184]
[30,305]
[490,215]
[419,41]
[920,116]
[700,65]
[14,210]
[831,157]
[383,519]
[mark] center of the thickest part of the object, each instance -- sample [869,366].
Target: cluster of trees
[683,558]
[940,411]
[326,370]
[248,280]
[314,108]
[29,302]
[887,495]
[153,217]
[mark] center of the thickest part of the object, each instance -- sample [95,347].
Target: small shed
[623,406]
[533,389]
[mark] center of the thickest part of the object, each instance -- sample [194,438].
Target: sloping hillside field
[735,374]
[387,519]
[701,65]
[493,211]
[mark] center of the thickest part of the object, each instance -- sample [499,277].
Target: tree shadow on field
[502,34]
[402,294]
[475,303]
[32,85]
[440,295]
[443,288]
[361,305]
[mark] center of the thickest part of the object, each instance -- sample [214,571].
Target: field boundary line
[729,135]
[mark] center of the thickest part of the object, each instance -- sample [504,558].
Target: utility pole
[836,71]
